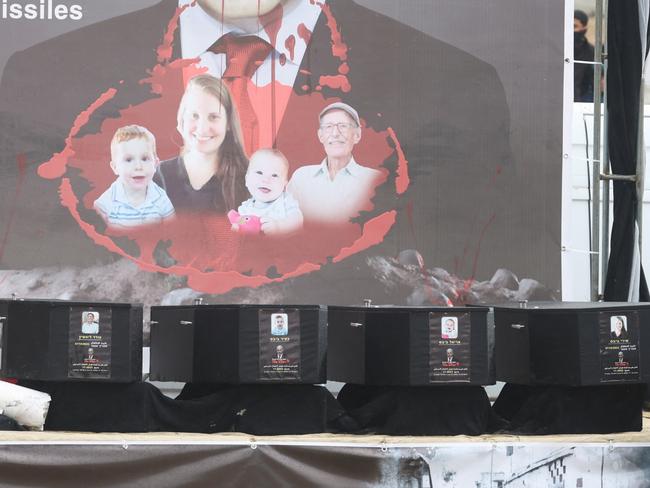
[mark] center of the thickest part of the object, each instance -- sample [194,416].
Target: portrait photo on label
[449,328]
[89,343]
[618,326]
[279,344]
[449,360]
[90,322]
[619,346]
[279,324]
[449,347]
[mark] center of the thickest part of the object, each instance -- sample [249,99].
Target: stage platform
[234,459]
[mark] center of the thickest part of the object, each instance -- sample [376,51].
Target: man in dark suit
[447,110]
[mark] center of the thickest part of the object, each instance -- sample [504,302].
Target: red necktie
[243,56]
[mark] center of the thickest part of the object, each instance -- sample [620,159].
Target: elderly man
[339,188]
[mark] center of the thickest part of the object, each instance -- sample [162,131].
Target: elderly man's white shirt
[337,200]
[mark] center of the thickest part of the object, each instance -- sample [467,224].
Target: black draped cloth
[544,410]
[420,410]
[623,96]
[141,407]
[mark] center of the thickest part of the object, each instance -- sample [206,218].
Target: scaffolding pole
[604,248]
[596,166]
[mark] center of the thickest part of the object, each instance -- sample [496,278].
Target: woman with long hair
[208,175]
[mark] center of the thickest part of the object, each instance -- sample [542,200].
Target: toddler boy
[133,199]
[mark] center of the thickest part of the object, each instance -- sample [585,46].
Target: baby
[266,180]
[133,198]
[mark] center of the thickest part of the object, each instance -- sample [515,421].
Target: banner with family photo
[89,343]
[619,346]
[243,151]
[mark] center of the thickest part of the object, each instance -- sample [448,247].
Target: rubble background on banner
[402,280]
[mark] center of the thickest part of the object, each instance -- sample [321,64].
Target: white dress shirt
[337,200]
[90,328]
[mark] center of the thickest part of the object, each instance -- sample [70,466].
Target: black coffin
[408,346]
[235,344]
[573,343]
[57,340]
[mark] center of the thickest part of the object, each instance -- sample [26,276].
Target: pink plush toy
[247,224]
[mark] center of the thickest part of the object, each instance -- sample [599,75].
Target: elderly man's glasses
[341,127]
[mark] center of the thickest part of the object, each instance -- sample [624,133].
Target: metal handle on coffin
[186,322]
[356,324]
[517,326]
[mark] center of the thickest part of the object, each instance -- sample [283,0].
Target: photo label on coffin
[619,346]
[449,347]
[89,343]
[279,338]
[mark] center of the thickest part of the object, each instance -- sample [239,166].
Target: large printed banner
[281,150]
[427,464]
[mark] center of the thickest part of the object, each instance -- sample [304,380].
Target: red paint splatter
[70,201]
[272,21]
[304,33]
[191,236]
[166,49]
[337,82]
[409,215]
[459,264]
[497,172]
[283,59]
[290,44]
[206,252]
[478,246]
[21,162]
[55,167]
[339,48]
[213,282]
[269,97]
[402,180]
[159,73]
[340,51]
[374,232]
[305,87]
